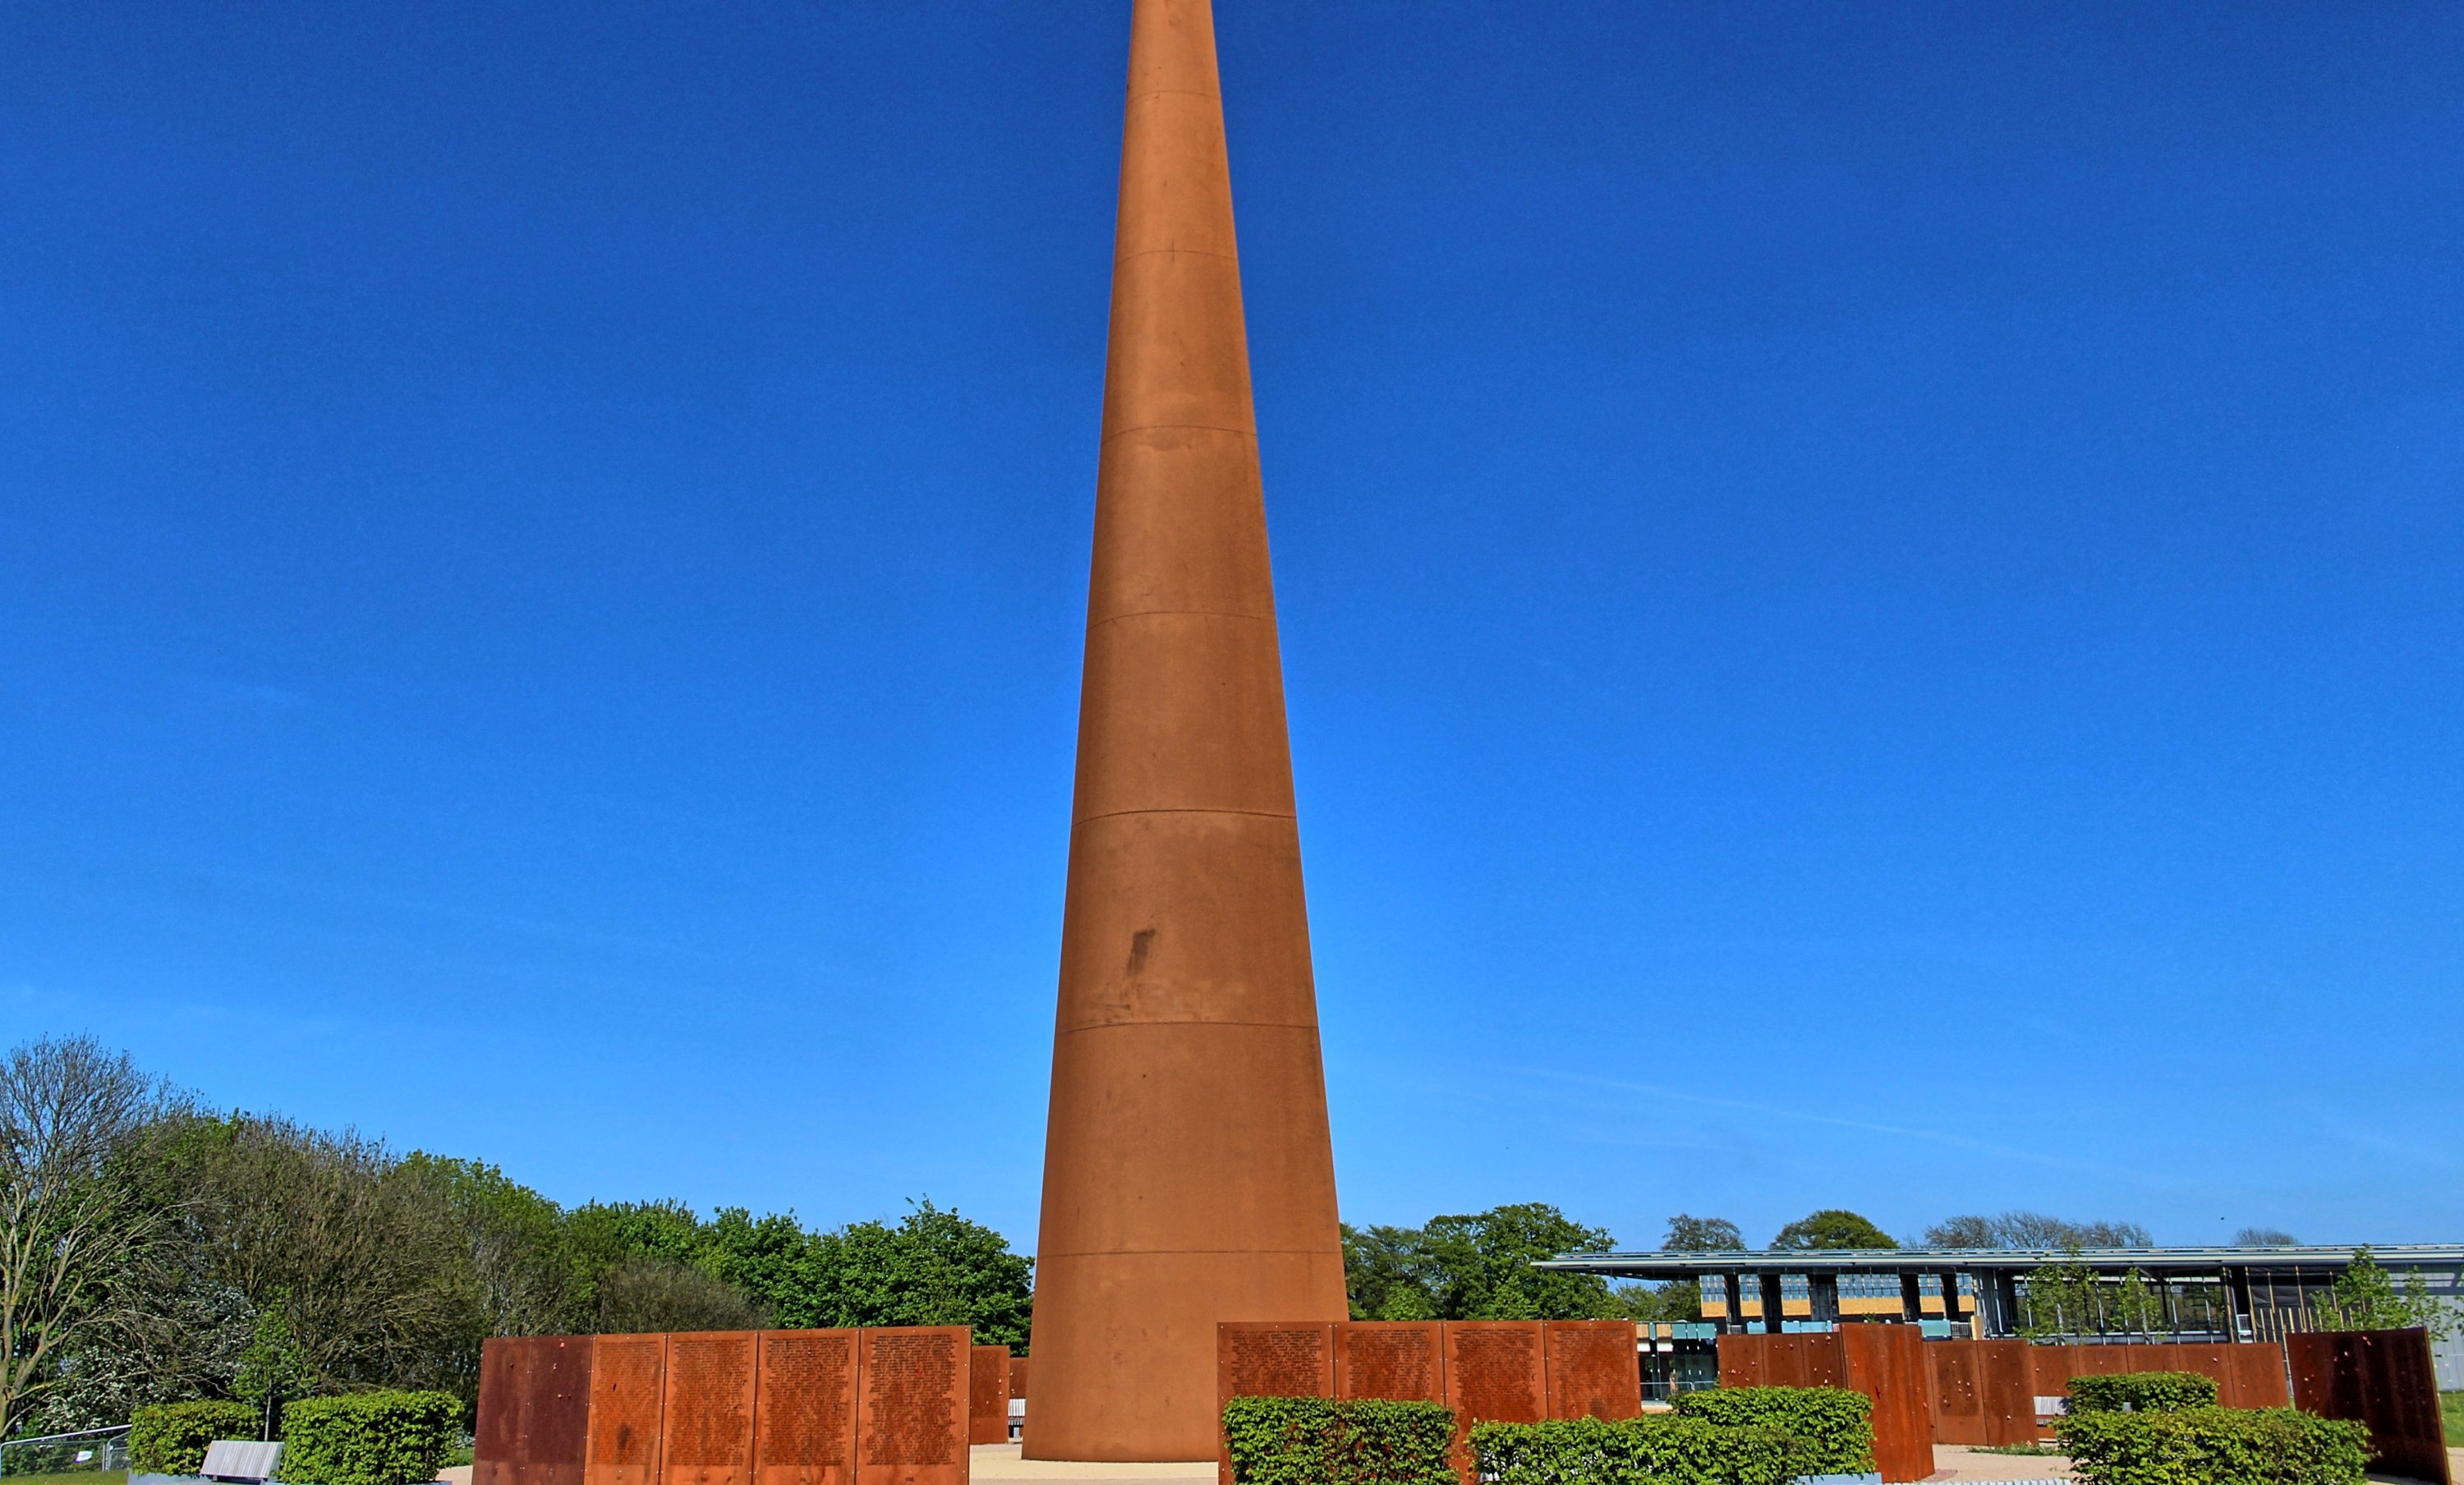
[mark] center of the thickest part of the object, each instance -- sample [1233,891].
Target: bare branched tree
[68,1109]
[364,1260]
[2032,1229]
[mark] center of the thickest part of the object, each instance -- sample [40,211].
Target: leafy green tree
[934,1267]
[2364,1298]
[643,1294]
[2062,1299]
[1477,1267]
[1382,1275]
[2138,1306]
[523,1274]
[1832,1227]
[1702,1235]
[272,1370]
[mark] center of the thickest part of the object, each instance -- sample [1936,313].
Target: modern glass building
[2080,1296]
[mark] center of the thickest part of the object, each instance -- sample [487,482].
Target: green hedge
[2143,1392]
[1318,1441]
[1836,1424]
[170,1438]
[369,1438]
[2213,1445]
[1653,1450]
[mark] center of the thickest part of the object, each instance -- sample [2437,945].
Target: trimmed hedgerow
[2213,1445]
[369,1438]
[1654,1449]
[2143,1392]
[1318,1441]
[170,1438]
[1836,1424]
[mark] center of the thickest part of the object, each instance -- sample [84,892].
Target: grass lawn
[75,1478]
[2450,1407]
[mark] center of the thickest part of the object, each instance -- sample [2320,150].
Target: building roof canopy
[2397,1256]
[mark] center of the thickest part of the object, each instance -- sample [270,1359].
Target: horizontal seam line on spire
[1115,814]
[1269,1025]
[1213,613]
[1211,427]
[1175,93]
[1118,259]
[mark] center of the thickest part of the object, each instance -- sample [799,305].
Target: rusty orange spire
[1188,1176]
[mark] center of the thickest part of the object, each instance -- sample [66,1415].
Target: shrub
[1654,1449]
[369,1438]
[2143,1392]
[2213,1445]
[1836,1424]
[1318,1441]
[170,1438]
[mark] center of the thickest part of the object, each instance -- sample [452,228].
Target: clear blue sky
[1872,594]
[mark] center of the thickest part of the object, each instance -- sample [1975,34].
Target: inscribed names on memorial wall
[1591,1369]
[806,1409]
[1497,1371]
[911,1419]
[708,1436]
[1487,1371]
[1274,1361]
[1397,1361]
[627,1388]
[1266,1360]
[770,1407]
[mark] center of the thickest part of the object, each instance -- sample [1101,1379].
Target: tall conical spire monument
[1188,1176]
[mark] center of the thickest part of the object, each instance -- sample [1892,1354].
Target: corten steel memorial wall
[2384,1379]
[1983,1392]
[730,1408]
[988,1395]
[1979,1391]
[2248,1375]
[1487,1371]
[1188,1173]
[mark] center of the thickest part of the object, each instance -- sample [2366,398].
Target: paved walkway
[1959,1462]
[1951,1462]
[1001,1462]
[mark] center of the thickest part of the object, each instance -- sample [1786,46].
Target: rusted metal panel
[1397,1361]
[1264,1359]
[534,1419]
[803,1410]
[706,1436]
[988,1395]
[1785,1360]
[1886,1363]
[2254,1376]
[628,1395]
[1497,1371]
[911,1385]
[1591,1369]
[1018,1376]
[1953,1374]
[2005,1389]
[1740,1361]
[2383,1378]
